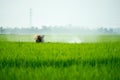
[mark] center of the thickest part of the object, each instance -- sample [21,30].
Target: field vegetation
[59,61]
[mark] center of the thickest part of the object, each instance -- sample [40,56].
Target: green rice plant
[59,61]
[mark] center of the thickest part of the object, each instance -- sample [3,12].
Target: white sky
[87,13]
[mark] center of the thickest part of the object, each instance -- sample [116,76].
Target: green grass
[59,61]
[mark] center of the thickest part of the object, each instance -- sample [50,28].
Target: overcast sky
[84,13]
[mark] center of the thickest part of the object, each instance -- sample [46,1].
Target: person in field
[39,38]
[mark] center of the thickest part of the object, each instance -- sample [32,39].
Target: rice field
[64,38]
[21,60]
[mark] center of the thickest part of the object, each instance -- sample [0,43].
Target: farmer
[39,38]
